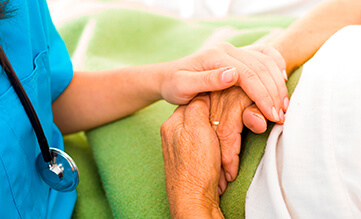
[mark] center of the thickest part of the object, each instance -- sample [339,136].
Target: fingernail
[286,102]
[228,177]
[282,115]
[260,117]
[285,74]
[219,190]
[228,75]
[275,114]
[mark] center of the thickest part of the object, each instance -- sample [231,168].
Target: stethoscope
[56,167]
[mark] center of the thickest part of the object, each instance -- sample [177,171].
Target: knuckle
[168,127]
[194,108]
[265,47]
[208,79]
[233,95]
[205,56]
[256,48]
[197,108]
[267,60]
[215,51]
[274,53]
[223,133]
[261,69]
[212,57]
[164,128]
[225,45]
[249,74]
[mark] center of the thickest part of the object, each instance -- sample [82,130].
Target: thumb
[254,119]
[211,80]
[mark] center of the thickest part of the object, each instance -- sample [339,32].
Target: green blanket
[121,173]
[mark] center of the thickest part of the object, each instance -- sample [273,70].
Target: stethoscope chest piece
[61,173]
[56,167]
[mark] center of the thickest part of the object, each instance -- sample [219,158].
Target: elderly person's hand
[192,161]
[232,108]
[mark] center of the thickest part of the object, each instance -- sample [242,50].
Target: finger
[211,80]
[268,72]
[217,100]
[216,108]
[259,63]
[197,111]
[168,127]
[254,120]
[277,77]
[229,130]
[222,184]
[178,116]
[247,79]
[260,86]
[274,54]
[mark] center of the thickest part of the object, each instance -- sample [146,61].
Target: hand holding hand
[192,161]
[230,110]
[257,69]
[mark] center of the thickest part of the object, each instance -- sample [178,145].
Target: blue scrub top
[42,63]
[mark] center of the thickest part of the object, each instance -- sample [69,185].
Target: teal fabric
[42,63]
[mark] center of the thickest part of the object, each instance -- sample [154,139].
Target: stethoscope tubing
[29,109]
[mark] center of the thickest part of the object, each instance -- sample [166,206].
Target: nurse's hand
[258,70]
[192,161]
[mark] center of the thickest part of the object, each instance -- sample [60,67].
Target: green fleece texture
[128,152]
[92,202]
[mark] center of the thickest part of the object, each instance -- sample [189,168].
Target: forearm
[96,98]
[302,39]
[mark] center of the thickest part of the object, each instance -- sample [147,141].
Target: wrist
[195,204]
[156,77]
[278,45]
[197,211]
[163,71]
[168,80]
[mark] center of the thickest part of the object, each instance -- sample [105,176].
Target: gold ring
[215,123]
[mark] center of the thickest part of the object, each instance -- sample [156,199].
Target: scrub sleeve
[42,63]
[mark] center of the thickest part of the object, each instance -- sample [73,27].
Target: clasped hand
[201,157]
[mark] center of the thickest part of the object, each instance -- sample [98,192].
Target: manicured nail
[228,177]
[219,190]
[275,114]
[282,115]
[228,75]
[286,102]
[285,74]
